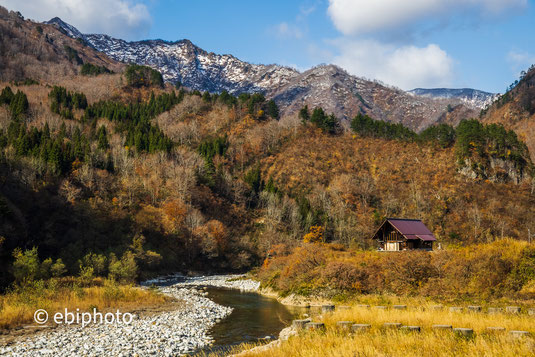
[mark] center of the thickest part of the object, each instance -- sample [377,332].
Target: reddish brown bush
[345,276]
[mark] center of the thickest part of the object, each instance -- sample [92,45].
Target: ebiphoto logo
[83,318]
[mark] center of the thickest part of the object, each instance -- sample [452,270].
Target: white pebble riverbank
[221,281]
[165,334]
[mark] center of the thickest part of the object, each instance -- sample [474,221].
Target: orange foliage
[148,217]
[315,235]
[218,231]
[503,268]
[175,212]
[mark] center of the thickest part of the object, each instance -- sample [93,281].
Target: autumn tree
[315,235]
[175,213]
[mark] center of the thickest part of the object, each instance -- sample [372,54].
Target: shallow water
[254,317]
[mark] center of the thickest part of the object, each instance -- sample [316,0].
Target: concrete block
[392,325]
[495,329]
[315,326]
[474,308]
[400,307]
[494,310]
[441,327]
[360,327]
[512,309]
[410,328]
[327,308]
[456,309]
[531,312]
[464,332]
[381,307]
[300,324]
[364,306]
[519,334]
[438,307]
[344,325]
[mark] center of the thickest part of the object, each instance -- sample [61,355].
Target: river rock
[169,333]
[287,332]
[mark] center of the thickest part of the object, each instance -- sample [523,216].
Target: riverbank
[169,333]
[293,299]
[380,332]
[237,281]
[18,305]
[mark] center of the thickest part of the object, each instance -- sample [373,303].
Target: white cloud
[286,30]
[406,67]
[296,29]
[363,16]
[520,60]
[120,18]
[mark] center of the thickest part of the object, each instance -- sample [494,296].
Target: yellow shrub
[315,235]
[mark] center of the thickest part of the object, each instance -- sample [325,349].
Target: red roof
[412,229]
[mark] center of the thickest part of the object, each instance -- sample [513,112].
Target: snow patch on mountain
[327,86]
[183,62]
[471,97]
[69,30]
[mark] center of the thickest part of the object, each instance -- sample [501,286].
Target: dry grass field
[18,306]
[379,341]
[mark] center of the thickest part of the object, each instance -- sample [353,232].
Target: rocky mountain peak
[69,30]
[326,85]
[474,98]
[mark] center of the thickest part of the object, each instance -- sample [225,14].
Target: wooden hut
[397,234]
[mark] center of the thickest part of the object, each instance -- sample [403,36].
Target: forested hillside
[106,170]
[40,51]
[177,180]
[516,108]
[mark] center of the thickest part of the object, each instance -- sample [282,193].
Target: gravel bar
[167,334]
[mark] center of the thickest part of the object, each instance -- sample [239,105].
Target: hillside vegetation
[481,272]
[110,172]
[516,108]
[169,180]
[36,51]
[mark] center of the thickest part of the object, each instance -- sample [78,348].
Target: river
[254,317]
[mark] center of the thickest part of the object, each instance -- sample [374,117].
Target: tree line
[63,102]
[89,69]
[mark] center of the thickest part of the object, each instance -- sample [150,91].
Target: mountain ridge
[515,109]
[469,96]
[329,86]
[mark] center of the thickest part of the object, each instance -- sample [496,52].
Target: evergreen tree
[46,131]
[89,69]
[304,114]
[328,123]
[19,104]
[272,109]
[442,134]
[102,138]
[142,76]
[366,126]
[255,102]
[7,96]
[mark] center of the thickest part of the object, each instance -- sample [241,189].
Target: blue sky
[482,44]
